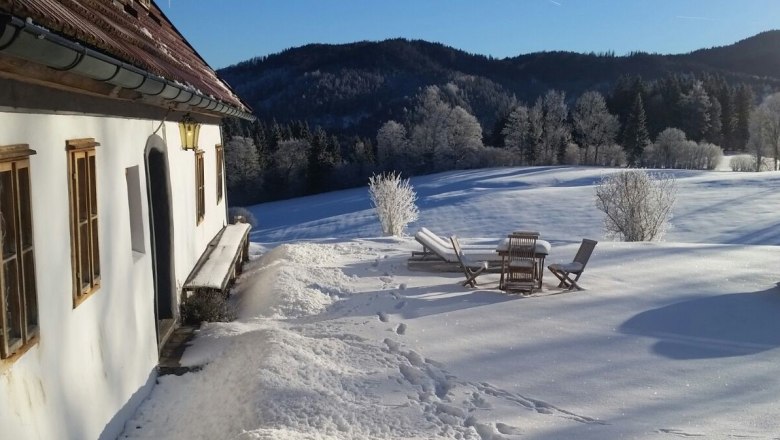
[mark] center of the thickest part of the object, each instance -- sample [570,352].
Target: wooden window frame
[82,188]
[200,188]
[220,153]
[18,303]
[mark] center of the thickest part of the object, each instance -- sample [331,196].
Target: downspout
[25,40]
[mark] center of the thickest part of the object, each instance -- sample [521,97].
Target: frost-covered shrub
[706,156]
[499,157]
[206,306]
[672,150]
[743,162]
[571,155]
[393,199]
[239,214]
[609,156]
[637,205]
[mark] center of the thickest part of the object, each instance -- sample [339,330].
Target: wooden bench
[221,263]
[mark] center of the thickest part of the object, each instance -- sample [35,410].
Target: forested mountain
[329,116]
[354,88]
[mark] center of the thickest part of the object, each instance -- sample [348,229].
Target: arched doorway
[159,195]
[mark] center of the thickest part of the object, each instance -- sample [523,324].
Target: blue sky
[225,32]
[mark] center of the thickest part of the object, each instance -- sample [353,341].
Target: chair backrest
[584,252]
[456,247]
[522,245]
[459,254]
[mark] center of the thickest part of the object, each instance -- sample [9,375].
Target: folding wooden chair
[520,271]
[471,270]
[564,271]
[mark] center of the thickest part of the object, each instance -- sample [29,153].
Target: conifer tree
[743,104]
[635,136]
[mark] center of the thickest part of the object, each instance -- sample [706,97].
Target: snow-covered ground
[337,339]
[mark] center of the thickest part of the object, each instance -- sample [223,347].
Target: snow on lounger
[447,244]
[542,246]
[446,253]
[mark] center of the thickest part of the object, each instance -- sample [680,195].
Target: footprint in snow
[679,433]
[401,329]
[505,429]
[400,305]
[383,317]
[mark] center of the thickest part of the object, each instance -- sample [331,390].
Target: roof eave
[34,43]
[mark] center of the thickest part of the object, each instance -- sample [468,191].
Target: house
[103,213]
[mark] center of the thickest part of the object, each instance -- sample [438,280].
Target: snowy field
[337,339]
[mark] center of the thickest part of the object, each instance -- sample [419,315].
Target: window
[85,252]
[220,166]
[200,192]
[132,176]
[18,301]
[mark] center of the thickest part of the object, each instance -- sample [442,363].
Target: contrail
[688,17]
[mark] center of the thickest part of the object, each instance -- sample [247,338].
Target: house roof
[135,32]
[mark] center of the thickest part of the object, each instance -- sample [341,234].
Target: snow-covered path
[337,339]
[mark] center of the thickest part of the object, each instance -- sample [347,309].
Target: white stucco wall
[91,360]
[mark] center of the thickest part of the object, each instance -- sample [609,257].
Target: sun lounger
[438,257]
[424,236]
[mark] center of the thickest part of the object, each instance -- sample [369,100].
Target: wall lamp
[189,129]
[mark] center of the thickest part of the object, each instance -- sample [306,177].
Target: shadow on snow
[736,324]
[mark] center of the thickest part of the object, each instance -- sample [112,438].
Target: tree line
[679,121]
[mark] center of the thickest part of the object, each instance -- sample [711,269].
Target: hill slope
[355,87]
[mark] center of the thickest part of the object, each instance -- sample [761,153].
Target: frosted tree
[516,134]
[290,163]
[429,131]
[553,135]
[394,200]
[696,106]
[464,135]
[594,126]
[392,146]
[765,130]
[637,205]
[242,165]
[444,137]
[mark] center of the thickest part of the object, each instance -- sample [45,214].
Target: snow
[214,271]
[337,339]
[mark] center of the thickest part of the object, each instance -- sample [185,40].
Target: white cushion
[572,267]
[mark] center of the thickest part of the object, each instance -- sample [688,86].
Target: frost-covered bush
[393,199]
[571,155]
[206,306]
[743,162]
[672,150]
[706,156]
[609,156]
[239,214]
[637,205]
[499,157]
